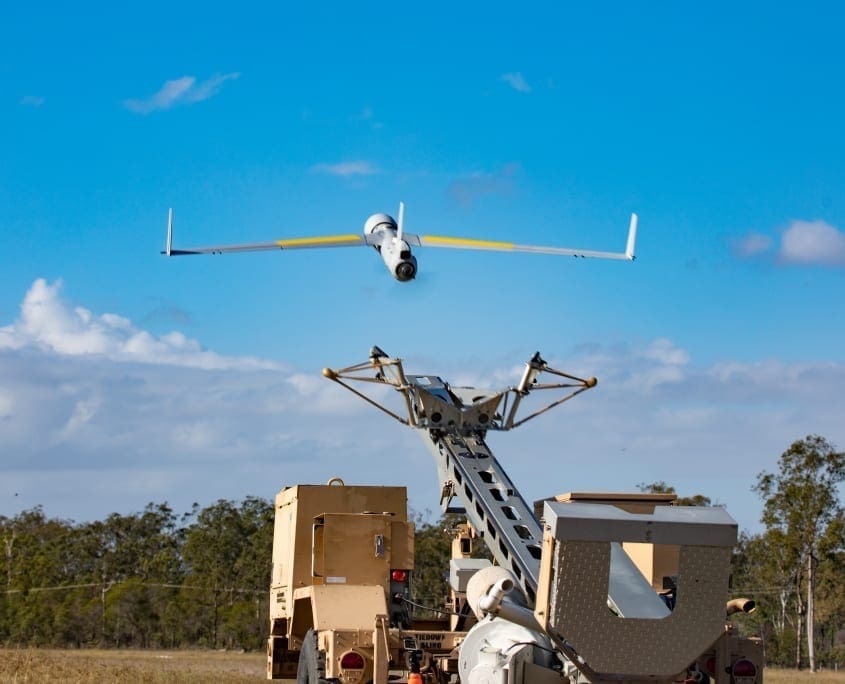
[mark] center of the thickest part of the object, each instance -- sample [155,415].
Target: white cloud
[83,411]
[348,168]
[47,322]
[516,81]
[803,243]
[812,243]
[664,351]
[98,415]
[751,245]
[179,91]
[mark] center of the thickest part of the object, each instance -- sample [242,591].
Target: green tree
[432,551]
[129,556]
[830,609]
[227,552]
[133,580]
[662,488]
[805,531]
[38,553]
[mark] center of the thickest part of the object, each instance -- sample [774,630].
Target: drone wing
[350,240]
[493,245]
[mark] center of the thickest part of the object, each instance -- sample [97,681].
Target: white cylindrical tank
[491,650]
[496,648]
[492,578]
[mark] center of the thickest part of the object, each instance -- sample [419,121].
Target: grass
[192,667]
[123,666]
[777,676]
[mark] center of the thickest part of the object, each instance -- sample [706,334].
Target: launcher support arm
[431,403]
[388,371]
[453,422]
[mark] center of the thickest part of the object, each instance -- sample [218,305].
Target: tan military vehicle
[584,587]
[342,563]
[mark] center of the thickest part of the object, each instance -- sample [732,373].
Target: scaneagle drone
[393,244]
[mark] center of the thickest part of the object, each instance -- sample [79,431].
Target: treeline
[795,568]
[153,579]
[156,579]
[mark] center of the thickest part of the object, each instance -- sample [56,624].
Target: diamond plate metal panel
[635,648]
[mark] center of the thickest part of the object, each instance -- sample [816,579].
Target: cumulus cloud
[98,415]
[469,188]
[179,91]
[516,81]
[665,352]
[656,415]
[83,411]
[812,243]
[802,243]
[347,168]
[48,322]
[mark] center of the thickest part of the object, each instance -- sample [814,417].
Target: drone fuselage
[382,232]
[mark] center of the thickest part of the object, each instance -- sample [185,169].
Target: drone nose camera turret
[406,270]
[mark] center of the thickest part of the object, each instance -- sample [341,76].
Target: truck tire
[312,662]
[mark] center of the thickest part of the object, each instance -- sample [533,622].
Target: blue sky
[126,377]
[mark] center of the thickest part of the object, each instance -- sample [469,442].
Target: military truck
[583,587]
[343,557]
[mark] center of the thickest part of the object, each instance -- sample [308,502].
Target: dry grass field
[773,676]
[193,667]
[123,666]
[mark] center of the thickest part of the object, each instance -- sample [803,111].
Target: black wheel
[312,662]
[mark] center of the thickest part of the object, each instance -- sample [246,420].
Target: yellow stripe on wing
[320,241]
[435,241]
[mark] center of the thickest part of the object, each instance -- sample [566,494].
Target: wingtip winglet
[169,243]
[632,238]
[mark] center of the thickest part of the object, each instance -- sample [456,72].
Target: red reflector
[352,661]
[744,668]
[710,666]
[399,575]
